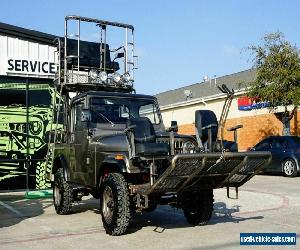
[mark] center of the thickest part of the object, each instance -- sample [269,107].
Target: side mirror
[174,127]
[85,115]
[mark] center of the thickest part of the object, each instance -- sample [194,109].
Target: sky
[178,42]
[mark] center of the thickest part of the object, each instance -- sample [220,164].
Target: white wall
[185,114]
[33,59]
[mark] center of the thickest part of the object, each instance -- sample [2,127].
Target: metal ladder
[130,66]
[66,56]
[56,112]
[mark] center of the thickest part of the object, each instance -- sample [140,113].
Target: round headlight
[116,77]
[103,76]
[126,77]
[93,74]
[188,147]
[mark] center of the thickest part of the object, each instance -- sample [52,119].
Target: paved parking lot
[266,204]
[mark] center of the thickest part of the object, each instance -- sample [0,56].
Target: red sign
[245,103]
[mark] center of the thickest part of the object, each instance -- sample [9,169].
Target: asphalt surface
[265,204]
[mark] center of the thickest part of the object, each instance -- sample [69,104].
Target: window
[296,140]
[119,110]
[264,145]
[149,111]
[76,116]
[124,112]
[109,112]
[279,143]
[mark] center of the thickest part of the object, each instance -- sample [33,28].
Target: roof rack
[85,65]
[98,21]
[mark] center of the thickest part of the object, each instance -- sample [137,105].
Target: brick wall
[255,128]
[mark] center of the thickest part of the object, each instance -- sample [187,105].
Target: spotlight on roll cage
[103,76]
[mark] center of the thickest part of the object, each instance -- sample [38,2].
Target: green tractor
[26,112]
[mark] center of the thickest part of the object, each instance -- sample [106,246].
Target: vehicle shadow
[224,214]
[14,209]
[166,217]
[89,204]
[171,218]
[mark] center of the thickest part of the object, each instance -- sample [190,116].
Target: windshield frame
[130,100]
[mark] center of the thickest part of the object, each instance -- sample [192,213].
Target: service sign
[31,67]
[19,57]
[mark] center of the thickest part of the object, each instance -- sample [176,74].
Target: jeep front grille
[178,144]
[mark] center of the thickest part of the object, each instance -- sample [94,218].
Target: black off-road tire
[62,193]
[115,204]
[198,206]
[289,168]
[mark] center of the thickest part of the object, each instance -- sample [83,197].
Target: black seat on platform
[204,121]
[90,55]
[145,138]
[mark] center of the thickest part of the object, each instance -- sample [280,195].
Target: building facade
[258,120]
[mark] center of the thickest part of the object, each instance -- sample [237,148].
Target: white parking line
[12,209]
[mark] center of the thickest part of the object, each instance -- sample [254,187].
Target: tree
[277,65]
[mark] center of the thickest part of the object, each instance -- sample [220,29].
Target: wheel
[40,176]
[198,206]
[289,168]
[114,204]
[62,193]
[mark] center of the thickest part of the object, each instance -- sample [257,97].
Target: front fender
[61,162]
[111,164]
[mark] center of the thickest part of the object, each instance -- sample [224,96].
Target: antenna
[215,76]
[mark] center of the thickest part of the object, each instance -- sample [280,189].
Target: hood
[112,143]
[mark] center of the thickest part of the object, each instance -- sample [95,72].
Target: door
[265,145]
[80,144]
[278,150]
